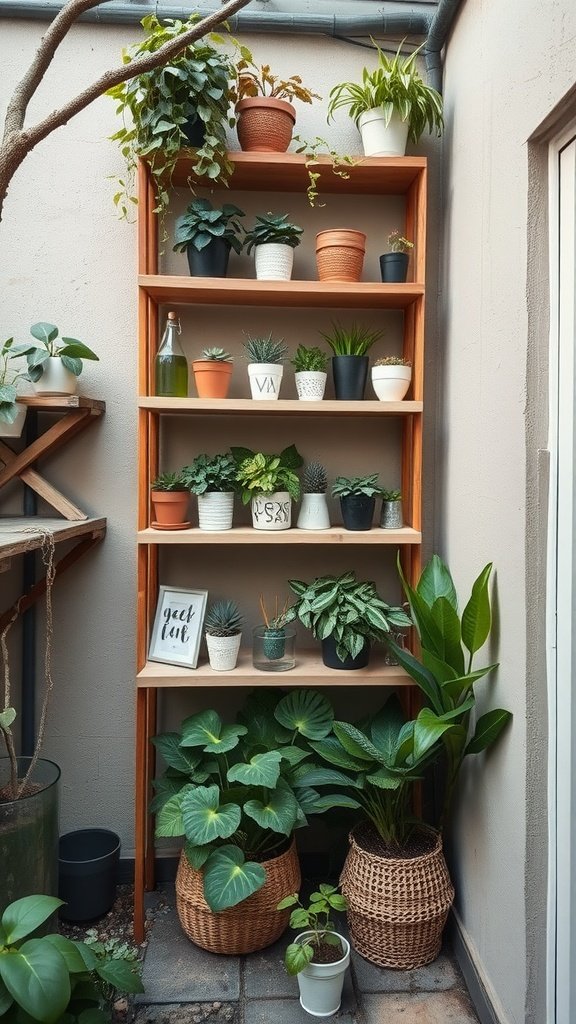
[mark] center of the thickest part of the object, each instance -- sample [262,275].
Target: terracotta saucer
[173,526]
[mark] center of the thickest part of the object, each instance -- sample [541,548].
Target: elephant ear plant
[446,674]
[232,792]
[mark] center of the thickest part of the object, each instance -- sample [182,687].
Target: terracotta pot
[265,124]
[212,378]
[340,254]
[170,507]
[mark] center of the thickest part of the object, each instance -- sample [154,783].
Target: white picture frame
[178,625]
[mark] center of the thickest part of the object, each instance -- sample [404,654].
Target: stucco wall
[507,65]
[65,258]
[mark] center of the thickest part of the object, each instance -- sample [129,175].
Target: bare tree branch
[18,141]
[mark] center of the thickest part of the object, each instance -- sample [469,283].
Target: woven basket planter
[253,924]
[397,907]
[340,254]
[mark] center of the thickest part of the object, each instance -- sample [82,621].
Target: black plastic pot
[195,131]
[331,659]
[394,267]
[211,261]
[350,374]
[357,511]
[88,871]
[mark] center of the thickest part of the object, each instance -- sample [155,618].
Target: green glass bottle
[171,365]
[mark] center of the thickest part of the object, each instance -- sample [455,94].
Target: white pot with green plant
[54,368]
[310,373]
[270,484]
[273,239]
[213,479]
[313,513]
[319,955]
[266,358]
[12,413]
[391,105]
[223,629]
[391,378]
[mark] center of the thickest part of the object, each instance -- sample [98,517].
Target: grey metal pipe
[436,37]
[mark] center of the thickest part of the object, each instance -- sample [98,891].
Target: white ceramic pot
[321,984]
[273,261]
[310,385]
[272,511]
[265,380]
[391,382]
[313,513]
[14,429]
[223,651]
[56,379]
[380,139]
[215,510]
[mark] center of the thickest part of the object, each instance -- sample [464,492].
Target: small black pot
[195,131]
[394,267]
[211,261]
[88,868]
[350,374]
[357,511]
[331,659]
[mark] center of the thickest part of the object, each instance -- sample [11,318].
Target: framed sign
[178,626]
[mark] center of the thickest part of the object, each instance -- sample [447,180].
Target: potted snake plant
[350,360]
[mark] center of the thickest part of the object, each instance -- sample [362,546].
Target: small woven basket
[397,907]
[340,254]
[252,924]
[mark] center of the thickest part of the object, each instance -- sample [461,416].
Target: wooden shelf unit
[282,173]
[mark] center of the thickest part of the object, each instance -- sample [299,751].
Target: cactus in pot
[314,510]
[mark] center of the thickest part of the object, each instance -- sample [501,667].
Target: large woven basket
[397,908]
[251,925]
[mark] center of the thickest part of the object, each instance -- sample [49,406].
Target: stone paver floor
[187,985]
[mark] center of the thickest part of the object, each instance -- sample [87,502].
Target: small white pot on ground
[223,651]
[14,429]
[215,510]
[321,984]
[272,511]
[310,385]
[313,513]
[265,380]
[379,138]
[391,382]
[56,379]
[273,261]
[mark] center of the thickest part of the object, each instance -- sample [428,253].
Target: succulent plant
[398,243]
[265,350]
[223,618]
[391,495]
[169,482]
[393,361]
[314,479]
[217,355]
[273,228]
[309,359]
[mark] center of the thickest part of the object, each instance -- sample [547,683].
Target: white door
[562,586]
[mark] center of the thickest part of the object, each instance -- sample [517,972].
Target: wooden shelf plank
[280,407]
[309,671]
[286,172]
[247,535]
[17,533]
[230,291]
[60,403]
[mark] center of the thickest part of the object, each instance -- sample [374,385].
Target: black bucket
[88,862]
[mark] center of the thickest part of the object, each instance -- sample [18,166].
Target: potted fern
[265,366]
[213,480]
[394,263]
[390,105]
[350,361]
[207,235]
[357,499]
[213,373]
[273,239]
[314,510]
[223,629]
[270,484]
[170,497]
[310,373]
[266,117]
[391,378]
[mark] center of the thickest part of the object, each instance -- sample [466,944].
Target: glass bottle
[170,365]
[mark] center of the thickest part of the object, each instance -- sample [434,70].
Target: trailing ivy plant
[193,89]
[232,791]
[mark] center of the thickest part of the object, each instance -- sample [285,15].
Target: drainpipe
[436,37]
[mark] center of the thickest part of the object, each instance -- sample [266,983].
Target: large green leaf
[37,977]
[477,615]
[384,779]
[428,729]
[294,755]
[422,615]
[356,743]
[448,623]
[420,675]
[435,582]
[124,975]
[456,687]
[165,788]
[206,730]
[168,744]
[439,668]
[313,775]
[5,998]
[306,712]
[44,332]
[169,820]
[385,728]
[229,878]
[197,855]
[77,957]
[278,813]
[332,751]
[326,803]
[298,956]
[261,770]
[25,915]
[205,819]
[488,728]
